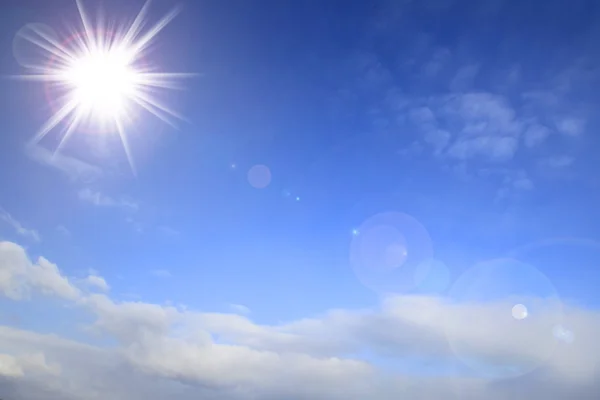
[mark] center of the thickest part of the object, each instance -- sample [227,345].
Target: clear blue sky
[476,118]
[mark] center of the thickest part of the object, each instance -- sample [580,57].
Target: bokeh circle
[259,176]
[501,318]
[387,250]
[33,45]
[575,260]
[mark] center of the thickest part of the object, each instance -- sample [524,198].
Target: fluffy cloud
[18,366]
[97,282]
[19,277]
[166,351]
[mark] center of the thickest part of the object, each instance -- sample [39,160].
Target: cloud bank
[159,351]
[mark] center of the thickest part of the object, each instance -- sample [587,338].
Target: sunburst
[100,76]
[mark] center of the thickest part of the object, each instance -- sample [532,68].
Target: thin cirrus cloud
[163,350]
[102,200]
[239,309]
[28,233]
[73,168]
[161,273]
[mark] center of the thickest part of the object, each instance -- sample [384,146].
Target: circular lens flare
[31,44]
[386,251]
[502,318]
[519,312]
[259,176]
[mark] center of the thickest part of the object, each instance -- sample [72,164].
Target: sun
[102,83]
[100,77]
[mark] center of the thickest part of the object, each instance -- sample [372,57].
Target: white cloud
[97,282]
[9,366]
[18,366]
[470,131]
[535,135]
[474,125]
[45,277]
[571,126]
[487,126]
[102,200]
[493,148]
[239,309]
[522,182]
[19,276]
[559,161]
[31,234]
[164,351]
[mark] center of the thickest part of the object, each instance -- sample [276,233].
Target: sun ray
[99,70]
[125,143]
[87,27]
[143,42]
[163,80]
[51,46]
[47,77]
[155,110]
[136,25]
[75,119]
[54,120]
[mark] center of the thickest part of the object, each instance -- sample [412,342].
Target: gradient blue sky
[476,118]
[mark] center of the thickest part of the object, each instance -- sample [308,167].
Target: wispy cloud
[73,168]
[445,106]
[571,126]
[63,230]
[31,234]
[536,134]
[102,200]
[475,125]
[161,273]
[168,231]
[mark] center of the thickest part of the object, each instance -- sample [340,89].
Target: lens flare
[97,76]
[502,316]
[387,250]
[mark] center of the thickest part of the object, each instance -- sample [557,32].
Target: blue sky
[472,122]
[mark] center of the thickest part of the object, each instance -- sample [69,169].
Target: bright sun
[102,83]
[97,76]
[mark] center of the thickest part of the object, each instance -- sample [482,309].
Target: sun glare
[97,78]
[102,83]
